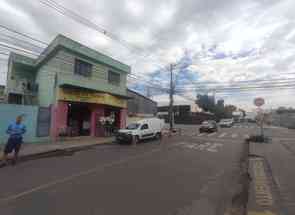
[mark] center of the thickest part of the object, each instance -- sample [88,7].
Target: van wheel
[135,140]
[158,136]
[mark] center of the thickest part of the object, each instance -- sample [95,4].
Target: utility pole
[148,92]
[171,92]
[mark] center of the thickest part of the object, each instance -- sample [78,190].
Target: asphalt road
[182,175]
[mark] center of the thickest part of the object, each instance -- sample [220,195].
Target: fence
[8,113]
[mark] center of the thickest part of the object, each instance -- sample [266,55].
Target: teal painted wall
[98,79]
[46,80]
[8,113]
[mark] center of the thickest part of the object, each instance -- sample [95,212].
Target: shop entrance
[79,116]
[112,120]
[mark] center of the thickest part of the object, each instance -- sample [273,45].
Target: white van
[143,129]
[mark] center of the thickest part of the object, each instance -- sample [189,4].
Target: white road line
[201,134]
[234,135]
[212,134]
[222,135]
[246,136]
[74,176]
[201,147]
[213,147]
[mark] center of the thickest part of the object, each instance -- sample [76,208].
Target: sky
[220,42]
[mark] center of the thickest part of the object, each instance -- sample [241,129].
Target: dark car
[208,126]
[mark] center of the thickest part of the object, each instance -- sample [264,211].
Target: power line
[82,20]
[34,39]
[147,83]
[22,34]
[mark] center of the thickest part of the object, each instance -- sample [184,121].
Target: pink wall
[59,114]
[123,115]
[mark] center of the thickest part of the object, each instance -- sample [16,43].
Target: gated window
[83,68]
[114,78]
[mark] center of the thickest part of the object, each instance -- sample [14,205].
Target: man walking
[15,131]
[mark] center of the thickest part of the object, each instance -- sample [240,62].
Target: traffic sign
[259,102]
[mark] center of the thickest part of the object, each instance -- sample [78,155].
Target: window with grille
[114,78]
[83,68]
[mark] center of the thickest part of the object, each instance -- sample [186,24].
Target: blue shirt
[16,130]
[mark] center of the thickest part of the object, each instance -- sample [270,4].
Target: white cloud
[230,40]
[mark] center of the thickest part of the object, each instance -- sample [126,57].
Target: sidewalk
[271,167]
[38,149]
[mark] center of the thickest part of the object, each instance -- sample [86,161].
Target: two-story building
[76,86]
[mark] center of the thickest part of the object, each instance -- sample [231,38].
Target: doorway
[79,116]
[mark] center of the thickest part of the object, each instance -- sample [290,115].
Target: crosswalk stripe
[212,134]
[234,135]
[222,135]
[203,146]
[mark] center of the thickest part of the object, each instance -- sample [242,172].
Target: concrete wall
[8,113]
[285,120]
[140,104]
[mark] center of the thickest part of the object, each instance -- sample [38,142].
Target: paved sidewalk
[32,149]
[278,159]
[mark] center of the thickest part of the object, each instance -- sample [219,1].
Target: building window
[83,68]
[114,78]
[15,98]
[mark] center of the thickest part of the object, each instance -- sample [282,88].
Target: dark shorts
[13,144]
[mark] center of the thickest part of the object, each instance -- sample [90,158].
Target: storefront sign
[91,97]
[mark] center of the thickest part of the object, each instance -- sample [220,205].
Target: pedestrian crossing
[218,135]
[244,126]
[207,146]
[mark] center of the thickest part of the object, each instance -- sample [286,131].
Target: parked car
[208,126]
[226,123]
[141,130]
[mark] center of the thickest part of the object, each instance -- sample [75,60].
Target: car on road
[141,130]
[226,123]
[208,126]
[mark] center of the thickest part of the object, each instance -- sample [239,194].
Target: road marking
[212,134]
[222,135]
[201,147]
[180,144]
[201,134]
[213,147]
[74,176]
[246,136]
[262,188]
[260,213]
[234,135]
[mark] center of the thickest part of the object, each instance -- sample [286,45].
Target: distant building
[139,106]
[182,106]
[185,111]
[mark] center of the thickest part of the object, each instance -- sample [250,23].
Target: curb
[57,152]
[262,196]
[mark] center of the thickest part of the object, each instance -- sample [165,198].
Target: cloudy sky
[217,44]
